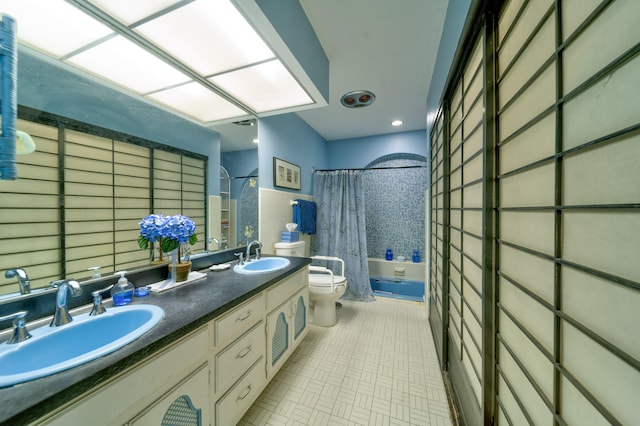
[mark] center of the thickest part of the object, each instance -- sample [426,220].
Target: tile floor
[378,366]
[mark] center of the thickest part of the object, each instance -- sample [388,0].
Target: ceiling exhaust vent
[358,99]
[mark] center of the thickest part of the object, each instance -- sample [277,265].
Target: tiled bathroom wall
[395,205]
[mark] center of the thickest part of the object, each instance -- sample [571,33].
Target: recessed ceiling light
[358,99]
[397,123]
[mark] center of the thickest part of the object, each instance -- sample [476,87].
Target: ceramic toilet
[325,287]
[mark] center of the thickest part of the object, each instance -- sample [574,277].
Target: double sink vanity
[204,352]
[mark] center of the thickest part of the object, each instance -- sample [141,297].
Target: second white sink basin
[54,349]
[262,266]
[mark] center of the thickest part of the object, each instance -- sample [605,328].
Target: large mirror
[238,185]
[232,225]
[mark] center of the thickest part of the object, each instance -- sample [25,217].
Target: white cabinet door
[300,306]
[186,404]
[278,337]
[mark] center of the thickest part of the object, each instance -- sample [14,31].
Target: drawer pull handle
[244,394]
[244,352]
[244,316]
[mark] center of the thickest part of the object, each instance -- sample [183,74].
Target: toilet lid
[325,279]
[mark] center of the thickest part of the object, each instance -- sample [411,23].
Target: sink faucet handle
[257,253]
[98,309]
[23,279]
[241,257]
[20,332]
[61,315]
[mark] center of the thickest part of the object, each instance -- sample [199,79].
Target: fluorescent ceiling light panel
[129,65]
[264,87]
[197,101]
[53,26]
[128,11]
[210,36]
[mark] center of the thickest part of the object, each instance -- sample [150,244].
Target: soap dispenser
[122,292]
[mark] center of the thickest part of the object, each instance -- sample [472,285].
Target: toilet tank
[295,249]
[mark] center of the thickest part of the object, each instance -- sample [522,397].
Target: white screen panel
[533,13]
[534,230]
[576,409]
[472,372]
[616,108]
[539,96]
[589,177]
[575,12]
[533,272]
[522,387]
[537,319]
[534,361]
[510,405]
[535,143]
[607,308]
[612,381]
[614,31]
[604,241]
[537,52]
[533,187]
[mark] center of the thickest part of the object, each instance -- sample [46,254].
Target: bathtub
[400,280]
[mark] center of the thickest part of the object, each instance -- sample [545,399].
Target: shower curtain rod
[370,168]
[243,177]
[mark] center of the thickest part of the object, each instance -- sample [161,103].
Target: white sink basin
[262,266]
[54,349]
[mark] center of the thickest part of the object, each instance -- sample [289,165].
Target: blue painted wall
[291,139]
[46,85]
[452,30]
[394,199]
[358,152]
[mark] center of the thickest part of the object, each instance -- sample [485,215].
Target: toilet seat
[325,288]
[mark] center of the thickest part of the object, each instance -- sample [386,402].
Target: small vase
[157,256]
[182,271]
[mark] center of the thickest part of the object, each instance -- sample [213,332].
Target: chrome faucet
[61,315]
[97,308]
[214,240]
[248,256]
[20,332]
[23,279]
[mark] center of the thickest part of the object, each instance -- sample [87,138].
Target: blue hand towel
[304,214]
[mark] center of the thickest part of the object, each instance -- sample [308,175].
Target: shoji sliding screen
[466,189]
[569,225]
[179,188]
[539,273]
[438,227]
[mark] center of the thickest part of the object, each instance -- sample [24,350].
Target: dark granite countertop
[186,308]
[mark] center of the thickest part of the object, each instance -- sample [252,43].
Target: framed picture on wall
[285,174]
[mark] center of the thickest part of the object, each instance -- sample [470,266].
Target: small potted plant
[150,232]
[173,232]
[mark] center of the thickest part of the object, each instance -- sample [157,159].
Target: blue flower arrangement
[170,231]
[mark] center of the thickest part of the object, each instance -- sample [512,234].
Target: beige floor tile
[377,366]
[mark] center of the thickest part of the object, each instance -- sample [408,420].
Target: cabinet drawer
[281,292]
[239,320]
[237,401]
[235,360]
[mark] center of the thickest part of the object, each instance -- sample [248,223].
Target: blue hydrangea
[170,230]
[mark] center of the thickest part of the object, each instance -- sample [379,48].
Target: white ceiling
[387,47]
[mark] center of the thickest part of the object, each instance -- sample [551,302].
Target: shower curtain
[340,227]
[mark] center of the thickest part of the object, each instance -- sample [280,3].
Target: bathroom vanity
[221,341]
